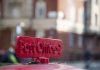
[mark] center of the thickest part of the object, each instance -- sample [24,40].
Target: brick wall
[5,38]
[29,32]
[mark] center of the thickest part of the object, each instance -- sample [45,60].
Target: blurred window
[15,9]
[40,10]
[52,14]
[18,29]
[1,8]
[13,37]
[96,19]
[89,44]
[80,15]
[60,14]
[98,43]
[96,1]
[29,7]
[16,32]
[40,33]
[15,12]
[71,10]
[71,40]
[51,33]
[80,41]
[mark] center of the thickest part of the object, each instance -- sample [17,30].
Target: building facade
[91,31]
[69,20]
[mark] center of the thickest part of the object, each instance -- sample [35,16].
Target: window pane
[96,19]
[40,33]
[71,10]
[71,40]
[1,7]
[90,44]
[15,12]
[15,9]
[96,1]
[40,11]
[80,41]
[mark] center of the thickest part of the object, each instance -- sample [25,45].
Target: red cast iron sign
[38,47]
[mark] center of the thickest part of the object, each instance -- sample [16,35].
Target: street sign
[30,47]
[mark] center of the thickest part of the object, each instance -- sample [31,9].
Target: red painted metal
[42,60]
[38,47]
[40,67]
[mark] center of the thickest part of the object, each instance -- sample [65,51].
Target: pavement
[92,66]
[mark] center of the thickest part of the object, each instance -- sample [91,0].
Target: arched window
[40,10]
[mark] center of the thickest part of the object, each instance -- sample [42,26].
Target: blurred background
[75,22]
